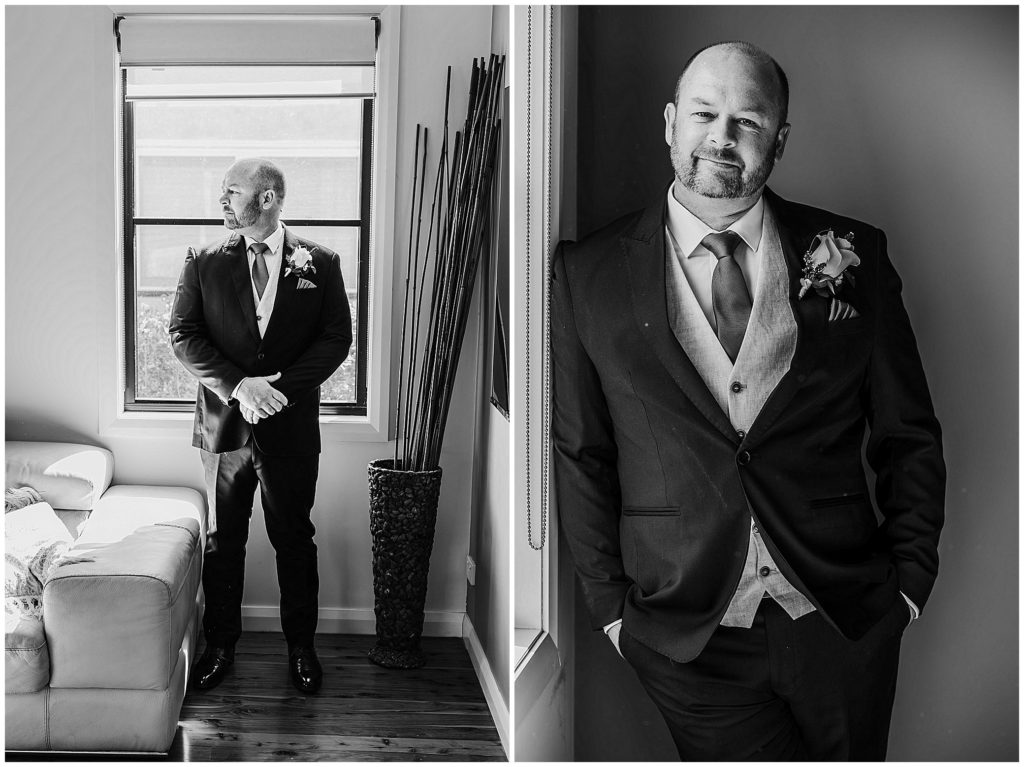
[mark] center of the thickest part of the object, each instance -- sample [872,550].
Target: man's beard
[729,186]
[248,217]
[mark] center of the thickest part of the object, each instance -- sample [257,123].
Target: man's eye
[747,123]
[704,115]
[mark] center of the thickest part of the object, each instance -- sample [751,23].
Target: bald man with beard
[718,360]
[261,319]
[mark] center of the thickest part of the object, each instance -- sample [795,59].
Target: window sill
[334,429]
[534,672]
[524,642]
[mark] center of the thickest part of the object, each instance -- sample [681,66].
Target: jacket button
[740,433]
[736,387]
[765,572]
[260,356]
[743,458]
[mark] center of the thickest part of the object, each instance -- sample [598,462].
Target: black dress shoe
[304,669]
[211,668]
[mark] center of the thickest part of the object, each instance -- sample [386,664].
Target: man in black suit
[717,361]
[261,319]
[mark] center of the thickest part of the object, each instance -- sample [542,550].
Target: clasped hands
[257,399]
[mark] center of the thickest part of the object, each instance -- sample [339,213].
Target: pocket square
[840,310]
[305,284]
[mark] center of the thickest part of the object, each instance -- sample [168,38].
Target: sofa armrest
[117,607]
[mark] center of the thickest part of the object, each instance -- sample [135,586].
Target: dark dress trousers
[214,334]
[656,489]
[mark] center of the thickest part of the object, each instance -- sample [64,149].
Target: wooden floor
[362,713]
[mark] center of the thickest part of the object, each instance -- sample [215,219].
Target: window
[184,123]
[546,116]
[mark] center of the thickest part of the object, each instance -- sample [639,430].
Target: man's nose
[223,198]
[721,133]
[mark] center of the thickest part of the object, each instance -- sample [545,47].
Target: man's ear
[780,141]
[670,122]
[267,198]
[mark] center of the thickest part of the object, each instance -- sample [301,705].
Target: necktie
[260,275]
[729,296]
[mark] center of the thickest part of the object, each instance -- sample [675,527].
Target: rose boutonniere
[300,263]
[826,262]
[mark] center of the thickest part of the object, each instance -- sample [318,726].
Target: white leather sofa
[106,670]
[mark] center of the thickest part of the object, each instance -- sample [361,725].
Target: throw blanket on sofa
[34,541]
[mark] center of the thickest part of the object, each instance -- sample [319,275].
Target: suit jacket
[655,489]
[215,336]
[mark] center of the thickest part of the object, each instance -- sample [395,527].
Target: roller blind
[169,40]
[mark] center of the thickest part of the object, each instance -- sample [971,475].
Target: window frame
[377,426]
[131,221]
[544,621]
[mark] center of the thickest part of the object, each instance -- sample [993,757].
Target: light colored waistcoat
[763,360]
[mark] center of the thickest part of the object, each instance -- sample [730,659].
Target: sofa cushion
[68,476]
[126,507]
[26,661]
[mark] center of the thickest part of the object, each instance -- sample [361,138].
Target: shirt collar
[273,241]
[688,230]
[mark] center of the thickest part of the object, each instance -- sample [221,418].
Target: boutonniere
[826,262]
[300,263]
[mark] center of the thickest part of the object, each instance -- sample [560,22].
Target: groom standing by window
[261,319]
[718,360]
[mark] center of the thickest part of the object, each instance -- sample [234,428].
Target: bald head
[742,58]
[262,174]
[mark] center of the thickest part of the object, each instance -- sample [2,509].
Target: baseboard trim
[492,694]
[336,620]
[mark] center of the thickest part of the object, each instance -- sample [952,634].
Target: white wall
[488,601]
[61,293]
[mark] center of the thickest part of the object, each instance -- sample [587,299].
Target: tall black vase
[403,510]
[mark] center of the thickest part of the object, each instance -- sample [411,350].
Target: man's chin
[713,188]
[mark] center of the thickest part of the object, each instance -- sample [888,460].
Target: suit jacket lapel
[810,313]
[235,249]
[645,251]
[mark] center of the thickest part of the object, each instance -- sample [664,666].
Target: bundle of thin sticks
[459,215]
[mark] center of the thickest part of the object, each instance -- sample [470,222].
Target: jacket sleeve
[190,339]
[585,460]
[905,443]
[332,344]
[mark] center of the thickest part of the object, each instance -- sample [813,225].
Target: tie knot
[722,244]
[258,248]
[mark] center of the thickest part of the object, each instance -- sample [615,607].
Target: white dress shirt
[699,262]
[265,305]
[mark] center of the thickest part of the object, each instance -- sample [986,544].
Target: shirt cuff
[234,392]
[915,612]
[612,625]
